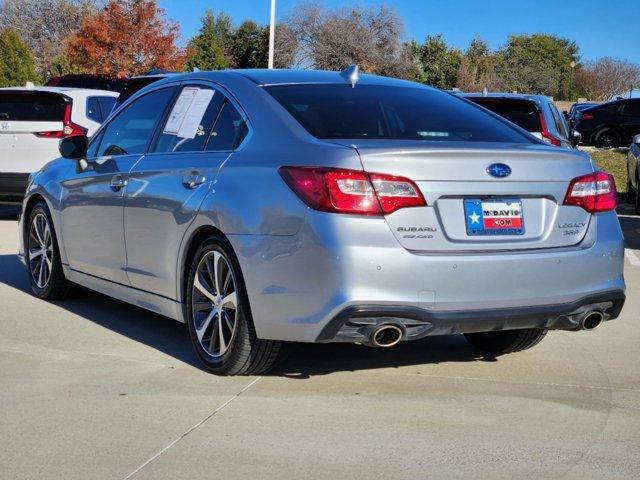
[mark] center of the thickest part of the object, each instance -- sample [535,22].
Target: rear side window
[631,108]
[131,131]
[190,120]
[389,112]
[32,106]
[559,121]
[98,108]
[523,113]
[229,130]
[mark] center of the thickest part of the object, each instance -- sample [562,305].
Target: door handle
[193,180]
[117,183]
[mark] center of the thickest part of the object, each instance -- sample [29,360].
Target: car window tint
[32,106]
[131,130]
[189,132]
[229,130]
[557,120]
[94,144]
[523,113]
[106,105]
[390,112]
[94,112]
[631,108]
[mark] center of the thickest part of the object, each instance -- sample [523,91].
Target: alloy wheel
[40,250]
[214,304]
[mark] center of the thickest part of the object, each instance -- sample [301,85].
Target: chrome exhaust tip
[592,320]
[385,336]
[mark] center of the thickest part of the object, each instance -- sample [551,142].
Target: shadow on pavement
[300,360]
[9,212]
[630,223]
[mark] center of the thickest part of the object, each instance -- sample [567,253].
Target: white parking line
[191,429]
[632,257]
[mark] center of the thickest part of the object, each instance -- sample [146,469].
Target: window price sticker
[187,113]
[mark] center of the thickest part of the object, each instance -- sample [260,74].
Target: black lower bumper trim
[556,316]
[13,186]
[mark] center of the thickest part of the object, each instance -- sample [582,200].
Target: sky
[600,28]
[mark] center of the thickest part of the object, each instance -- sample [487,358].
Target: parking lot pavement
[94,388]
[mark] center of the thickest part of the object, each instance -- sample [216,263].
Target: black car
[633,174]
[611,124]
[575,108]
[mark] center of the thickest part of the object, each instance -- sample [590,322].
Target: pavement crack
[191,429]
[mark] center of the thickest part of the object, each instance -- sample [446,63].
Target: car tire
[506,341]
[607,138]
[42,256]
[219,317]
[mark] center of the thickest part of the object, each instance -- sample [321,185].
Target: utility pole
[272,32]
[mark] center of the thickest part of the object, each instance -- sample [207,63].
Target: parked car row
[262,206]
[609,125]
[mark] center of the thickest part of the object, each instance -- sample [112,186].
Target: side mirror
[636,139]
[74,148]
[576,138]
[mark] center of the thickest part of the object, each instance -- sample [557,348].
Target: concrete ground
[92,388]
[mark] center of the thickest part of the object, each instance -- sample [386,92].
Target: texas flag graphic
[493,217]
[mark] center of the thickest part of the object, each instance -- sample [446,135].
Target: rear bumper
[353,323]
[13,187]
[298,285]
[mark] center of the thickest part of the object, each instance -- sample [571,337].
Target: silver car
[266,206]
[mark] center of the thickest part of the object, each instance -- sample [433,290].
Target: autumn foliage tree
[127,37]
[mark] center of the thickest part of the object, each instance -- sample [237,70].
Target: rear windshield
[523,113]
[388,112]
[32,106]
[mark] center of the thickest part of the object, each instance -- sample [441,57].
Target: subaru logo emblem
[499,170]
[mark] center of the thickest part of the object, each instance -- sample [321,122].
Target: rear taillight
[595,192]
[586,116]
[351,191]
[546,136]
[69,129]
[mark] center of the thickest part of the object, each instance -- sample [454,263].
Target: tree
[334,39]
[44,25]
[128,37]
[206,49]
[17,65]
[435,63]
[606,77]
[478,68]
[539,63]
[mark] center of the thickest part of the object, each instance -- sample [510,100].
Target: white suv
[33,120]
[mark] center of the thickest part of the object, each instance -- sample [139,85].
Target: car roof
[539,99]
[69,91]
[266,77]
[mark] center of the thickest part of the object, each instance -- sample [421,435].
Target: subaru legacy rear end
[447,220]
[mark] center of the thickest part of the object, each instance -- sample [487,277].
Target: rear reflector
[595,192]
[351,191]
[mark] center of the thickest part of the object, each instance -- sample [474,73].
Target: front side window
[190,120]
[130,132]
[337,111]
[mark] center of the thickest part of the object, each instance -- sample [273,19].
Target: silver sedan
[263,206]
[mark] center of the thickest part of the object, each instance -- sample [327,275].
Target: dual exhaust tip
[591,320]
[386,335]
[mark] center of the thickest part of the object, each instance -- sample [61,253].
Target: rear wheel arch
[195,240]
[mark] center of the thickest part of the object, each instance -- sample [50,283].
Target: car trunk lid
[453,177]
